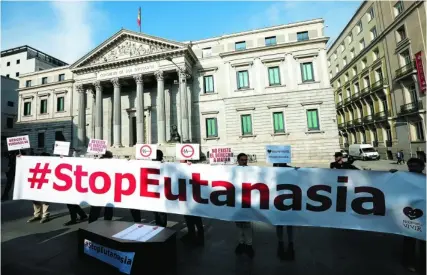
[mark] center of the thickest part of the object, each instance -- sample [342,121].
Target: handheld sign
[187,151]
[278,153]
[221,155]
[17,143]
[61,148]
[145,151]
[97,146]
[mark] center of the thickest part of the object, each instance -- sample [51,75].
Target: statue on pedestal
[175,137]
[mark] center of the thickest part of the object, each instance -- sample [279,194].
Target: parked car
[363,152]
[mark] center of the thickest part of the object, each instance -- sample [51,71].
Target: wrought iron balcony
[357,121]
[341,125]
[365,91]
[405,70]
[375,143]
[383,115]
[411,107]
[347,100]
[355,96]
[349,123]
[339,104]
[367,119]
[378,85]
[388,143]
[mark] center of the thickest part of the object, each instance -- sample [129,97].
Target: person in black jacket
[339,163]
[160,218]
[10,175]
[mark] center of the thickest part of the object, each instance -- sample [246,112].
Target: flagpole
[140,17]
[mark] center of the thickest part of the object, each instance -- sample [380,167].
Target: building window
[366,81]
[335,55]
[208,84]
[302,36]
[350,38]
[28,83]
[351,54]
[400,33]
[413,93]
[278,122]
[346,77]
[9,122]
[337,68]
[270,41]
[27,108]
[339,83]
[374,33]
[10,103]
[362,44]
[398,8]
[313,119]
[59,136]
[375,54]
[211,127]
[17,74]
[274,76]
[242,80]
[8,64]
[356,88]
[307,71]
[405,58]
[40,140]
[240,46]
[43,106]
[378,74]
[344,61]
[371,14]
[61,77]
[206,52]
[354,70]
[342,46]
[359,27]
[60,104]
[246,121]
[44,80]
[364,63]
[419,130]
[329,63]
[18,61]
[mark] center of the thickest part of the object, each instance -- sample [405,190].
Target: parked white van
[363,152]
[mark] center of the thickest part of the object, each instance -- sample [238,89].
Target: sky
[69,30]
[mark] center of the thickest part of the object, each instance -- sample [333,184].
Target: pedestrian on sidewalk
[289,255]
[244,229]
[402,157]
[193,223]
[95,211]
[10,175]
[398,157]
[41,209]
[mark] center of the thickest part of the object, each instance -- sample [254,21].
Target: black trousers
[75,209]
[8,187]
[95,212]
[194,222]
[161,219]
[410,257]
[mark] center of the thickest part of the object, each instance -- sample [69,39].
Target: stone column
[161,116]
[92,110]
[183,103]
[139,109]
[98,117]
[117,114]
[20,105]
[82,115]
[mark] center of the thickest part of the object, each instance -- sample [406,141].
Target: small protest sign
[221,155]
[18,143]
[61,148]
[278,153]
[146,151]
[187,151]
[97,146]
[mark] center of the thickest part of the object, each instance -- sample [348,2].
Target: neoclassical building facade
[242,90]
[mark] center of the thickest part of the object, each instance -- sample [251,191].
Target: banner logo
[187,151]
[412,214]
[146,151]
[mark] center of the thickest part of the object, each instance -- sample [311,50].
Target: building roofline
[26,48]
[3,77]
[45,71]
[348,23]
[271,28]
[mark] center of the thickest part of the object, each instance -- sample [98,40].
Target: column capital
[138,78]
[97,85]
[159,75]
[182,73]
[115,82]
[79,88]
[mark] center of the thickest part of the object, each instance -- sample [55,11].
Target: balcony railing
[355,96]
[411,107]
[367,119]
[349,123]
[347,100]
[365,91]
[404,70]
[339,104]
[375,143]
[388,143]
[341,125]
[357,121]
[377,85]
[382,115]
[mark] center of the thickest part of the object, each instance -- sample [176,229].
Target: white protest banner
[278,153]
[221,155]
[361,200]
[18,143]
[97,146]
[187,151]
[146,151]
[61,148]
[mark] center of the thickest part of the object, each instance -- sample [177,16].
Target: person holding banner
[244,229]
[289,255]
[160,218]
[10,175]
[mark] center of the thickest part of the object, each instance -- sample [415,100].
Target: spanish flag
[139,18]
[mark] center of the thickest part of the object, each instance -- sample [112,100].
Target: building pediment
[125,46]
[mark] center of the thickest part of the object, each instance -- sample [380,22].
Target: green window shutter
[307,71]
[209,87]
[246,125]
[211,127]
[242,79]
[245,79]
[312,120]
[278,122]
[60,104]
[274,76]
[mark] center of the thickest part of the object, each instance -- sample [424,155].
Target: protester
[160,218]
[10,175]
[244,228]
[95,211]
[339,163]
[290,253]
[192,223]
[41,209]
